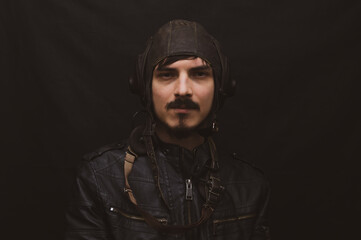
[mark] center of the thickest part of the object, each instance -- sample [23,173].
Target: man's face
[183,93]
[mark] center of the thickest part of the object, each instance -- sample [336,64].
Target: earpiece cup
[228,84]
[136,81]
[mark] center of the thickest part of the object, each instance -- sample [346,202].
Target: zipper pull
[189,191]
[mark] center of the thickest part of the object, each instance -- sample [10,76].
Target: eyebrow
[199,68]
[164,68]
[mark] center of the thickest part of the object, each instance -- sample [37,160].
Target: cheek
[156,100]
[159,97]
[206,95]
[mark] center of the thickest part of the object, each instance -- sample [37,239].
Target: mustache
[185,103]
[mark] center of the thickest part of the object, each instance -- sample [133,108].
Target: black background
[64,92]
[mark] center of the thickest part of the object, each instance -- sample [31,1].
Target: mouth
[183,110]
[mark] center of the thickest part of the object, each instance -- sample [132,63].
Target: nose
[184,86]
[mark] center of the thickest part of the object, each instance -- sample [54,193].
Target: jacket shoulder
[241,170]
[249,164]
[104,149]
[105,156]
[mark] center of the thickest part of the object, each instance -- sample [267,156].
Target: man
[168,181]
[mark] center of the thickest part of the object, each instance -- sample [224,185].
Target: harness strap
[128,165]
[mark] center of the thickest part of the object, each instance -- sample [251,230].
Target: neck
[190,141]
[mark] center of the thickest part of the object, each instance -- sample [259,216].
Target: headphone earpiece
[227,85]
[137,81]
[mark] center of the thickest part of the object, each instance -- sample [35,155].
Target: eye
[200,74]
[165,75]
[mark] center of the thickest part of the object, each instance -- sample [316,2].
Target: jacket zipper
[118,211]
[189,198]
[189,191]
[243,217]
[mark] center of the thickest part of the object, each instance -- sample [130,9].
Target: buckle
[214,191]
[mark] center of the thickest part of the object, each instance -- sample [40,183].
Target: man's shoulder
[106,155]
[236,168]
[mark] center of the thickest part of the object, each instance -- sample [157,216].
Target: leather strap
[128,165]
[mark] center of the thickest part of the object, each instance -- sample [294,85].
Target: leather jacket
[101,210]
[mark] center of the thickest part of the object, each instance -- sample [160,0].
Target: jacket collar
[190,162]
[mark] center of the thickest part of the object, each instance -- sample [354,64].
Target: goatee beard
[181,131]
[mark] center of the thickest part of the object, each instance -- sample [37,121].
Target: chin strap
[213,190]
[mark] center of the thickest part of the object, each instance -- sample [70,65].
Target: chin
[179,129]
[185,126]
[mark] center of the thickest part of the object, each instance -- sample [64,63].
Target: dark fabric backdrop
[64,92]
